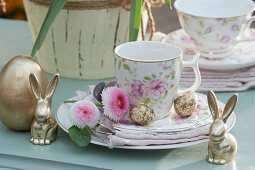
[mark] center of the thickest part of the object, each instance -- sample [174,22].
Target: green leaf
[147,78]
[99,105]
[166,93]
[135,19]
[201,24]
[54,9]
[146,100]
[168,2]
[225,23]
[81,137]
[70,101]
[126,67]
[167,76]
[153,76]
[173,77]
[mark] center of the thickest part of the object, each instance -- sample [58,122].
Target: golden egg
[185,103]
[141,114]
[17,102]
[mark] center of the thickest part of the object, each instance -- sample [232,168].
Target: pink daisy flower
[136,89]
[84,113]
[116,103]
[155,88]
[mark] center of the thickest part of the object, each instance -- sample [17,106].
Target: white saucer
[175,122]
[243,53]
[65,124]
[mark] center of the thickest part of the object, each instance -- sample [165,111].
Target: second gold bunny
[222,145]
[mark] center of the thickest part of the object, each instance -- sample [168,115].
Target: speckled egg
[186,103]
[141,114]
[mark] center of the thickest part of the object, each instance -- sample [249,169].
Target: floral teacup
[214,26]
[149,72]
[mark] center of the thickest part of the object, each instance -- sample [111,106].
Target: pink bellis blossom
[84,113]
[116,103]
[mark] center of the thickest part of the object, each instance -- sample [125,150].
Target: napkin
[117,141]
[118,137]
[218,81]
[234,80]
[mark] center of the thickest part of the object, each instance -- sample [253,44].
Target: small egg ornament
[17,102]
[142,114]
[186,103]
[98,91]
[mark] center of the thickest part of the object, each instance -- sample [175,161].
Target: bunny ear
[213,105]
[34,84]
[229,107]
[52,87]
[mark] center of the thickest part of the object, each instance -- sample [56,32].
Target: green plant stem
[54,9]
[135,19]
[168,2]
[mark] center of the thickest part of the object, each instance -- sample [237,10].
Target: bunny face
[42,112]
[218,130]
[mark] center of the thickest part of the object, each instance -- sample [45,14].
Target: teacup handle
[247,25]
[194,65]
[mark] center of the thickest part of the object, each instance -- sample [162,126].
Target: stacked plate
[172,132]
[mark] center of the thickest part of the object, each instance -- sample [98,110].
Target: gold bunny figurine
[44,128]
[222,145]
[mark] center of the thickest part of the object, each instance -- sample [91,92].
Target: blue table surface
[15,39]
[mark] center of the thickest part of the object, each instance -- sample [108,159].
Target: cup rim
[148,61]
[208,17]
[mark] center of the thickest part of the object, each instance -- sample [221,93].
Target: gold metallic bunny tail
[222,145]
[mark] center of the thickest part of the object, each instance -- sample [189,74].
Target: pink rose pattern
[225,39]
[235,27]
[208,30]
[186,39]
[151,89]
[137,89]
[189,52]
[155,88]
[233,24]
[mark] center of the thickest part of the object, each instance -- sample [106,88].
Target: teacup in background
[149,72]
[215,26]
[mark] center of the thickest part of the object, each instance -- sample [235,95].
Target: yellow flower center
[118,102]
